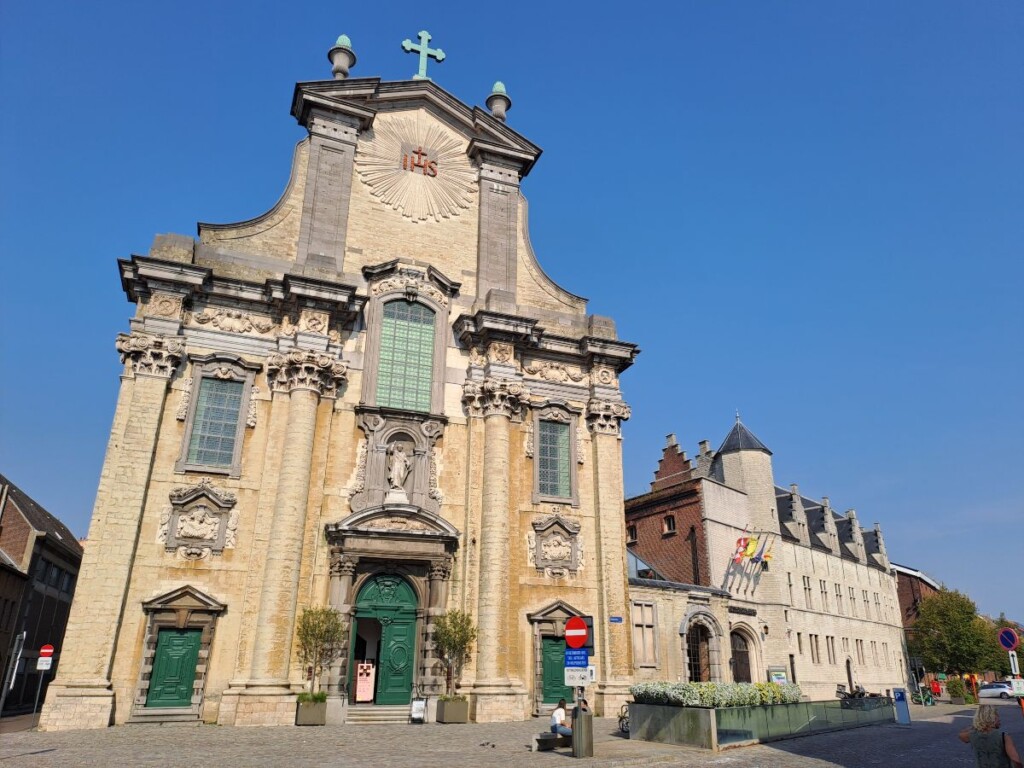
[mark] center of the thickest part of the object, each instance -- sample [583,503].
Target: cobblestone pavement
[928,743]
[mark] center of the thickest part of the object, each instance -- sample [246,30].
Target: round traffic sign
[575,632]
[1007,638]
[46,651]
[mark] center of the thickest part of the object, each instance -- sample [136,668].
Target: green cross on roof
[424,51]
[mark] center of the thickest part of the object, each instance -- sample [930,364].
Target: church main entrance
[383,642]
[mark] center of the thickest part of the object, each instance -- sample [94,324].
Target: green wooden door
[396,655]
[553,659]
[174,668]
[392,602]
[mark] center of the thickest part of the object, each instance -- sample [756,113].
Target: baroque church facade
[735,579]
[370,397]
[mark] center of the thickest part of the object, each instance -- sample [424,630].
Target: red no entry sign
[575,632]
[46,651]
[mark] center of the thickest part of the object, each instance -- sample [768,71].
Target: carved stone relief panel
[232,320]
[164,305]
[552,371]
[397,462]
[554,546]
[199,521]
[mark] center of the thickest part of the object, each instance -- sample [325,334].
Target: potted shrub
[454,635]
[320,635]
[957,691]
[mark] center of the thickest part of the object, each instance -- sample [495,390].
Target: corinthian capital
[494,397]
[150,355]
[305,369]
[605,416]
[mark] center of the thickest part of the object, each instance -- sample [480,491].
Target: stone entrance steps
[165,716]
[365,714]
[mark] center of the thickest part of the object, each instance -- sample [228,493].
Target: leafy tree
[948,634]
[454,635]
[321,635]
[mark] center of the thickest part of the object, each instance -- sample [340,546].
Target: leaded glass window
[406,362]
[215,427]
[554,477]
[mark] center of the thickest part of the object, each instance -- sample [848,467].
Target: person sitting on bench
[558,720]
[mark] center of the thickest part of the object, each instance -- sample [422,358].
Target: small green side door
[553,661]
[174,668]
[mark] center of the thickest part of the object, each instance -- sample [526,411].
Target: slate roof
[42,520]
[742,439]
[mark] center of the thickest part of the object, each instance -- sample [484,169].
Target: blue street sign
[576,657]
[615,619]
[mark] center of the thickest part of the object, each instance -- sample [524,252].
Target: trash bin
[582,731]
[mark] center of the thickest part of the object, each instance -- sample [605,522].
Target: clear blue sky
[809,211]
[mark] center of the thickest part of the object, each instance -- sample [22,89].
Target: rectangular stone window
[554,463]
[645,652]
[815,649]
[215,428]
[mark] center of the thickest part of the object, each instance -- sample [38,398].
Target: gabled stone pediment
[557,611]
[404,519]
[359,100]
[184,598]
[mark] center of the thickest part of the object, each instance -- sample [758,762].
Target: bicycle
[624,718]
[924,697]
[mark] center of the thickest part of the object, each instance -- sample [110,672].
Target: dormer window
[630,534]
[668,525]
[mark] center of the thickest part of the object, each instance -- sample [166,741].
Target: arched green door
[391,601]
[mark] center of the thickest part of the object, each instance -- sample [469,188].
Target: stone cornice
[150,355]
[486,327]
[305,369]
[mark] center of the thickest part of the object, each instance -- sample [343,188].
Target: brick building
[39,561]
[371,397]
[756,581]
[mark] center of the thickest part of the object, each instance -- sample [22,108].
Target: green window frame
[405,364]
[554,468]
[215,425]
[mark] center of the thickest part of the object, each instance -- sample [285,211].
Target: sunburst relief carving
[421,171]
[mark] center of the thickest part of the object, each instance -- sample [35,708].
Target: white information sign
[1018,687]
[43,662]
[1013,663]
[575,676]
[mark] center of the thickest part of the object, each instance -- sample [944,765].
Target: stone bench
[542,742]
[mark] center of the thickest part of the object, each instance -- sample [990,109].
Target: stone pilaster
[81,696]
[495,695]
[343,569]
[303,376]
[614,649]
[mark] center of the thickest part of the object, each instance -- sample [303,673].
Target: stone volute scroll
[495,397]
[320,372]
[606,416]
[200,520]
[149,355]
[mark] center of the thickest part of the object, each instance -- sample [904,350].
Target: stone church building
[370,397]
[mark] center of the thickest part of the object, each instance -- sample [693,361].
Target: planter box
[453,711]
[717,729]
[311,713]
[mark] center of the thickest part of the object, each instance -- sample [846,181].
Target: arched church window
[406,361]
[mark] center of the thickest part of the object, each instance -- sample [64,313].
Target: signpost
[43,663]
[1008,639]
[579,644]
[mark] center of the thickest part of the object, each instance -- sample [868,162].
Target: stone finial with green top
[342,57]
[498,102]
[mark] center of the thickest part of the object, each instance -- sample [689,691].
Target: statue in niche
[398,466]
[198,523]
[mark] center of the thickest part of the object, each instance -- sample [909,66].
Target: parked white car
[995,690]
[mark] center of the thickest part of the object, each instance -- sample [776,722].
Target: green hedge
[715,694]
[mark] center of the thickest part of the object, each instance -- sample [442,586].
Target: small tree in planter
[454,635]
[320,634]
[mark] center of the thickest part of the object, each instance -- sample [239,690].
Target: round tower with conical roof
[745,463]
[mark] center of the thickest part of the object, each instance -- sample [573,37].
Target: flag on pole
[741,548]
[760,554]
[751,547]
